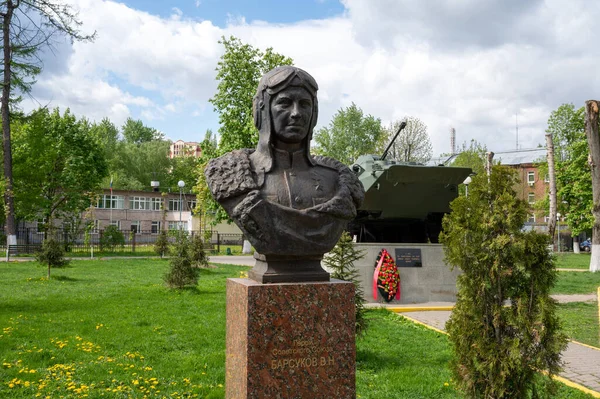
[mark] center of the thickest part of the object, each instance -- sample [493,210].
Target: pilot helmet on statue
[272,83]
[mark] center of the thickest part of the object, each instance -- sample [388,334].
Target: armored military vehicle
[404,201]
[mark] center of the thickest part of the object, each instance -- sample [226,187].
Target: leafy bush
[341,260]
[111,238]
[52,254]
[161,245]
[197,253]
[499,349]
[181,272]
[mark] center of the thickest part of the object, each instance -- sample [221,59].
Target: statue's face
[291,111]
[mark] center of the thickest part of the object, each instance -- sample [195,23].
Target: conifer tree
[504,329]
[197,252]
[161,245]
[181,272]
[341,260]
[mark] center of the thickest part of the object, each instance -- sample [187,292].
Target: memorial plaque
[408,257]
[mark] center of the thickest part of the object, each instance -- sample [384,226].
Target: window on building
[531,198]
[139,203]
[546,178]
[191,205]
[95,226]
[174,204]
[546,219]
[155,227]
[530,177]
[136,226]
[111,202]
[531,219]
[175,225]
[116,223]
[156,204]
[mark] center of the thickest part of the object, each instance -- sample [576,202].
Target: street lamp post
[558,229]
[466,183]
[181,185]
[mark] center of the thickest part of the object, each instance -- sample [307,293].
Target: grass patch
[576,283]
[573,261]
[109,328]
[580,322]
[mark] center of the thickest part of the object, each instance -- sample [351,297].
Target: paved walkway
[582,362]
[242,260]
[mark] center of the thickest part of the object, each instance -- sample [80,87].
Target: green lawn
[111,329]
[580,322]
[576,283]
[573,261]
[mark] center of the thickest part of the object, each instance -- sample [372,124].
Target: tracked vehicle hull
[404,202]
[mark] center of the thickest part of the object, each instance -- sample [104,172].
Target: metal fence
[30,240]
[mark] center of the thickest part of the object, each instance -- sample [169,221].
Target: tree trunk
[593,136]
[576,249]
[11,236]
[552,177]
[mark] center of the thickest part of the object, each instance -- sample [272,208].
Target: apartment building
[182,148]
[144,211]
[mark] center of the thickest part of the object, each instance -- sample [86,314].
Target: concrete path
[582,362]
[241,260]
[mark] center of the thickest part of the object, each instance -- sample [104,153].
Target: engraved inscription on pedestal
[302,354]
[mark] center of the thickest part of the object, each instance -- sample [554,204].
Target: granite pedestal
[290,340]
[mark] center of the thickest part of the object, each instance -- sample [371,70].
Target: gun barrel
[385,153]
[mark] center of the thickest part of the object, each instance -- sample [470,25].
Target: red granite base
[290,340]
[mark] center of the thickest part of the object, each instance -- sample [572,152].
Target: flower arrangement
[386,278]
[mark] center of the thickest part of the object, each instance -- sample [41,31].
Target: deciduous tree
[349,135]
[135,165]
[412,144]
[134,131]
[58,166]
[27,27]
[573,175]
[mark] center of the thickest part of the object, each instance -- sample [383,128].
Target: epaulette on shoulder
[347,178]
[230,175]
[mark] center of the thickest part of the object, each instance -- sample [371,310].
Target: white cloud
[471,64]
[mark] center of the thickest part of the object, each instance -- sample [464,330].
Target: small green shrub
[161,245]
[181,272]
[111,238]
[341,260]
[52,254]
[197,252]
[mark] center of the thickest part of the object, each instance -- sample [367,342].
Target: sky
[486,68]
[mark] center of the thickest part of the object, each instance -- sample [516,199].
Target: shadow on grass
[376,361]
[63,278]
[193,290]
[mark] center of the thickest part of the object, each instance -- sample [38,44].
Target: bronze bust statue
[290,205]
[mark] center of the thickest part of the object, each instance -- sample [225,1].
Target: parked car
[585,245]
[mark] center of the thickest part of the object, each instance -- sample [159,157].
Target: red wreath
[386,279]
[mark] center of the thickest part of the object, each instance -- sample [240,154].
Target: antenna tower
[452,141]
